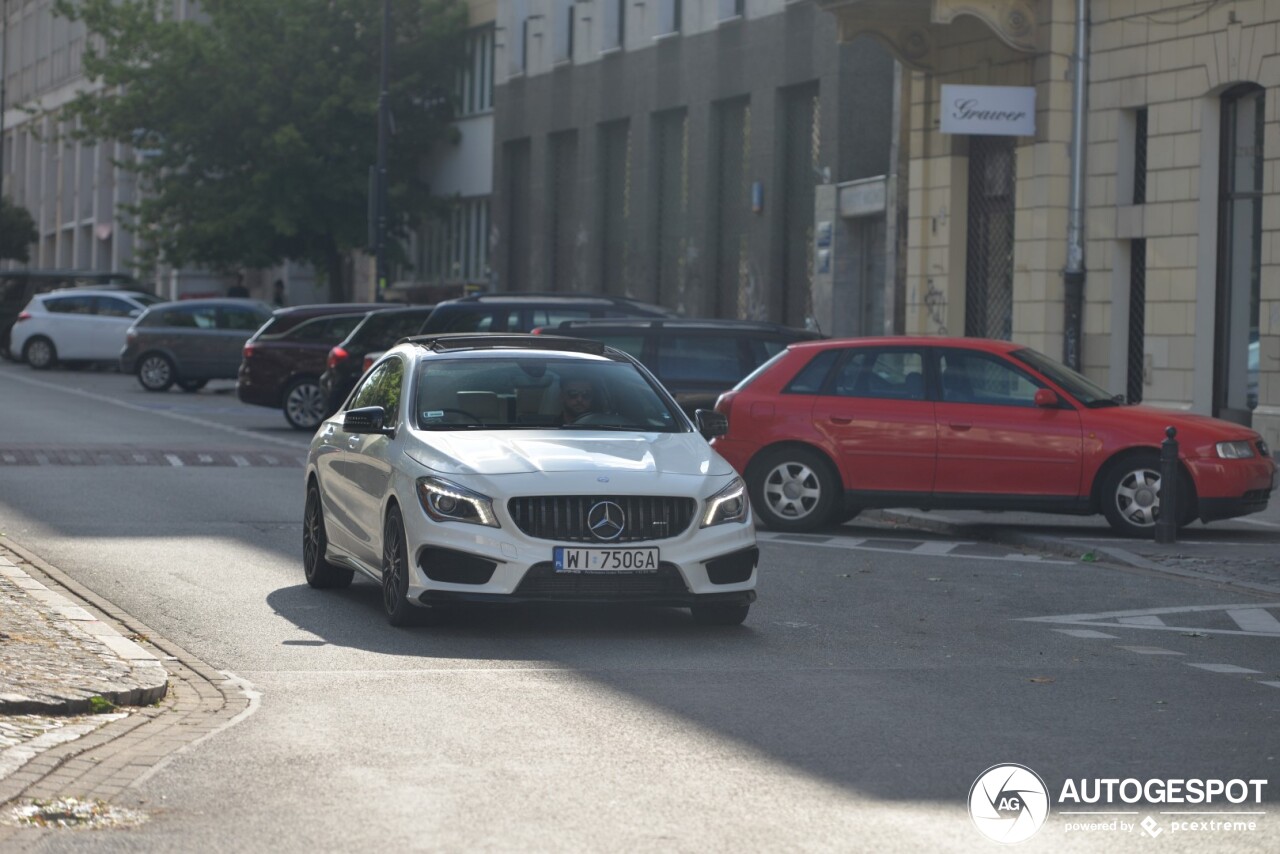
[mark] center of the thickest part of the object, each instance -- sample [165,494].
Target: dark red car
[827,428]
[281,364]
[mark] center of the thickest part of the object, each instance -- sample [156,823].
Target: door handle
[960,427]
[836,420]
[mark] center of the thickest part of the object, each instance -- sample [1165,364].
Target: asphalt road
[878,675]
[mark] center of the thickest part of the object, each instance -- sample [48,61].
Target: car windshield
[385,328]
[539,392]
[1077,385]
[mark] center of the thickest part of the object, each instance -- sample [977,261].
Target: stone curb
[1053,545]
[148,679]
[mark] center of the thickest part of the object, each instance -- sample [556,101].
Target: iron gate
[988,301]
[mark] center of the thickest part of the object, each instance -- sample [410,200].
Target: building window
[1140,157]
[454,248]
[519,236]
[563,210]
[614,180]
[474,87]
[518,37]
[801,153]
[669,13]
[1136,372]
[613,27]
[671,185]
[562,30]
[1239,254]
[735,295]
[727,9]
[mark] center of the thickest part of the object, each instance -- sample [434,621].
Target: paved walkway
[90,704]
[57,658]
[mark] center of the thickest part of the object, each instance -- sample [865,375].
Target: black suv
[697,360]
[521,312]
[379,330]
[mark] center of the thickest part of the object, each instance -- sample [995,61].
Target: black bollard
[1167,524]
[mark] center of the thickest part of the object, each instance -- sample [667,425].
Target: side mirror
[368,419]
[1047,398]
[711,423]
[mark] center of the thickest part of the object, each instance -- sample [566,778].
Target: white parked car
[520,468]
[76,324]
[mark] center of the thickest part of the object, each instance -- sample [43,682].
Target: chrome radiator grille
[564,517]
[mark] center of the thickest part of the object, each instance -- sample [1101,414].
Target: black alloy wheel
[395,575]
[320,573]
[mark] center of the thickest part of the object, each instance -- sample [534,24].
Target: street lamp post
[380,238]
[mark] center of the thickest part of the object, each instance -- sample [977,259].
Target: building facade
[692,153]
[449,253]
[74,190]
[1180,304]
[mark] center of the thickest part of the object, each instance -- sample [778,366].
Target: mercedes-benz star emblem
[606,520]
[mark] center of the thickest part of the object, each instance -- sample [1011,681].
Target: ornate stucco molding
[913,30]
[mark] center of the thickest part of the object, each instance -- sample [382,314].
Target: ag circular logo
[1008,803]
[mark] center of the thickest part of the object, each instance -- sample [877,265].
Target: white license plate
[605,560]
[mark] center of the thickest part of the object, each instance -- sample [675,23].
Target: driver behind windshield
[577,398]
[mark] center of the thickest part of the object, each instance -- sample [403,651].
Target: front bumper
[455,562]
[1230,488]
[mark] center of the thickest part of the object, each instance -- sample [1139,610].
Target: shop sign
[989,110]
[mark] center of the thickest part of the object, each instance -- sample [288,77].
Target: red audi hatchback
[827,428]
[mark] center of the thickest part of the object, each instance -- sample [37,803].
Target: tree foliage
[255,125]
[17,231]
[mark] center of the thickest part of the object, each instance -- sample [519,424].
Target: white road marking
[1258,522]
[1256,620]
[1150,650]
[1085,633]
[150,410]
[10,458]
[239,460]
[1144,620]
[1148,618]
[1271,684]
[1222,668]
[139,458]
[206,458]
[173,460]
[936,548]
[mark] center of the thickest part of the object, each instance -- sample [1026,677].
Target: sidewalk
[1242,552]
[56,658]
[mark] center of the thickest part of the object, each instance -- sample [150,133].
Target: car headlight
[1235,450]
[447,502]
[727,505]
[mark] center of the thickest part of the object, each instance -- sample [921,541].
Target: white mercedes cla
[523,468]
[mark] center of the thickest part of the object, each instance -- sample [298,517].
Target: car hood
[495,452]
[1187,422]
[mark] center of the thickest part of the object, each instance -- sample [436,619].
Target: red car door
[993,439]
[877,419]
